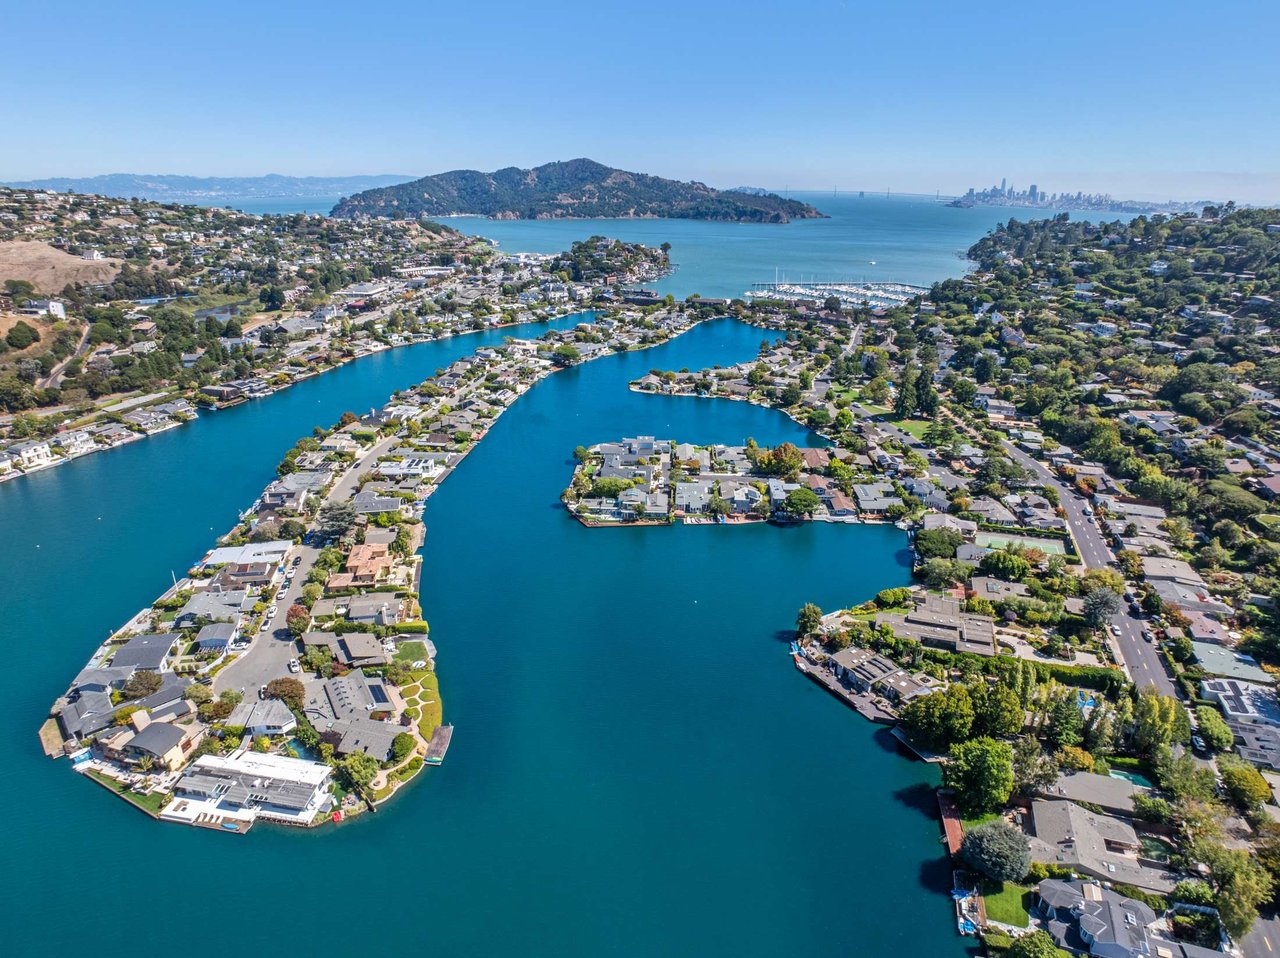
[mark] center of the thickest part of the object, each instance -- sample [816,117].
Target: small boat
[871,262]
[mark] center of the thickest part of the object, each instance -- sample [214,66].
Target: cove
[911,239]
[637,768]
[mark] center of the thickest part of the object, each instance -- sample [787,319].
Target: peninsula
[288,677]
[579,189]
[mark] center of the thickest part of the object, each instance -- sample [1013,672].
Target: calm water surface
[637,768]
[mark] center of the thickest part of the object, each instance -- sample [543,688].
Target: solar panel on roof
[379,694]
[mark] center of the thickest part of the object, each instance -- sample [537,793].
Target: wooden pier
[439,744]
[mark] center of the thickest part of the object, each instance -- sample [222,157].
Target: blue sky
[1153,100]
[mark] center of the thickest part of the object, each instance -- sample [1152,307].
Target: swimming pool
[303,751]
[1140,780]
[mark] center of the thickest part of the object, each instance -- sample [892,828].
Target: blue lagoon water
[637,768]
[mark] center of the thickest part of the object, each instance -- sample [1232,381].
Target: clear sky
[1171,99]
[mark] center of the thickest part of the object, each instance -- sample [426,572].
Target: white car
[295,666]
[1115,630]
[271,612]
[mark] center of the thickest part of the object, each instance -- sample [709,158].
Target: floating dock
[438,745]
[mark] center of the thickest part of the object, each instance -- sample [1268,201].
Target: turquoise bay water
[912,239]
[637,768]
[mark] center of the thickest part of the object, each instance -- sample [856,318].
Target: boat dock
[864,703]
[51,739]
[952,829]
[438,745]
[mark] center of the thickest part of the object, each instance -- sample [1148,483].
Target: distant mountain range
[574,188]
[212,189]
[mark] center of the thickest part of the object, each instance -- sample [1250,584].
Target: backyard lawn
[149,803]
[1007,903]
[414,651]
[969,823]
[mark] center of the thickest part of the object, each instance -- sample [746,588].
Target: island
[582,189]
[644,479]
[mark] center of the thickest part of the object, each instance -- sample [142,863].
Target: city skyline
[941,100]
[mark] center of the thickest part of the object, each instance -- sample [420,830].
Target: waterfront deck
[51,739]
[952,829]
[439,744]
[864,703]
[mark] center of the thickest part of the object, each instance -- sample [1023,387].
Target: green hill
[576,188]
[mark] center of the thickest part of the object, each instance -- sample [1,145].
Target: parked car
[1115,630]
[271,612]
[1198,744]
[262,691]
[295,666]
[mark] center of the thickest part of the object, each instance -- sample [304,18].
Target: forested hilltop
[576,188]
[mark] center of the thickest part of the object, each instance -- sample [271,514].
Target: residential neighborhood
[289,675]
[166,310]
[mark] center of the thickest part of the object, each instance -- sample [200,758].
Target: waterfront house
[875,498]
[861,668]
[212,606]
[370,503]
[87,714]
[145,653]
[937,620]
[251,785]
[693,497]
[33,454]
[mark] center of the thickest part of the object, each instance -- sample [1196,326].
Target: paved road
[268,656]
[55,375]
[1140,658]
[1264,940]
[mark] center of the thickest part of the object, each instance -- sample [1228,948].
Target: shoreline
[530,368]
[280,387]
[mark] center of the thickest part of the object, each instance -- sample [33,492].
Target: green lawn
[432,707]
[149,803]
[912,427]
[978,819]
[412,651]
[1007,902]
